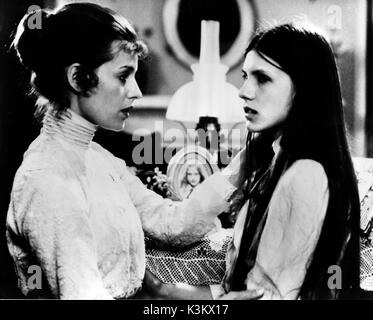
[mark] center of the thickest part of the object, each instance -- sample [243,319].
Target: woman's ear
[73,77]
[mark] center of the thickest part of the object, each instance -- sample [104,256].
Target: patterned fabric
[202,264]
[78,213]
[364,173]
[366,263]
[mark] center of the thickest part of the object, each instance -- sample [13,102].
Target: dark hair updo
[76,33]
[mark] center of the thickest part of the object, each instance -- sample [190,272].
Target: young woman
[193,177]
[76,212]
[300,223]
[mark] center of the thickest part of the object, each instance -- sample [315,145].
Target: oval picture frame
[189,155]
[233,56]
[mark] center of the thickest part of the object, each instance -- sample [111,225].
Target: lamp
[208,100]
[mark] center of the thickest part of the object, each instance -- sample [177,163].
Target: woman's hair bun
[30,38]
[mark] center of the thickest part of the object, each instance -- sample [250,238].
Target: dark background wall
[17,127]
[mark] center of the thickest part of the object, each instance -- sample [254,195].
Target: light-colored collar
[69,126]
[276,146]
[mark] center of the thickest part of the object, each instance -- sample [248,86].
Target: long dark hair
[315,129]
[75,33]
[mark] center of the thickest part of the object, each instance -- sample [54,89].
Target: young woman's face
[267,92]
[193,176]
[108,104]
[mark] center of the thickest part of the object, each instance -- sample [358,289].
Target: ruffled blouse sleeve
[295,217]
[180,223]
[50,212]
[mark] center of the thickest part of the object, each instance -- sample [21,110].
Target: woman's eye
[263,79]
[123,78]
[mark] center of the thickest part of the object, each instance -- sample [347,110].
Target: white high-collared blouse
[78,213]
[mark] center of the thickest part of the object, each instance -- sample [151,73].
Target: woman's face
[267,92]
[109,103]
[193,176]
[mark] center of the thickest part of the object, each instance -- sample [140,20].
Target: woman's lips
[126,111]
[249,111]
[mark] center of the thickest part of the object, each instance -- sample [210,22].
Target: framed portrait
[188,168]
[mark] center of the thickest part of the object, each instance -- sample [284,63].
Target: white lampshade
[208,94]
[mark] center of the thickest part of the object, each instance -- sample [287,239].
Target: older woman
[75,210]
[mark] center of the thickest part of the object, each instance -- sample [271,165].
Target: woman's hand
[243,295]
[236,171]
[152,288]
